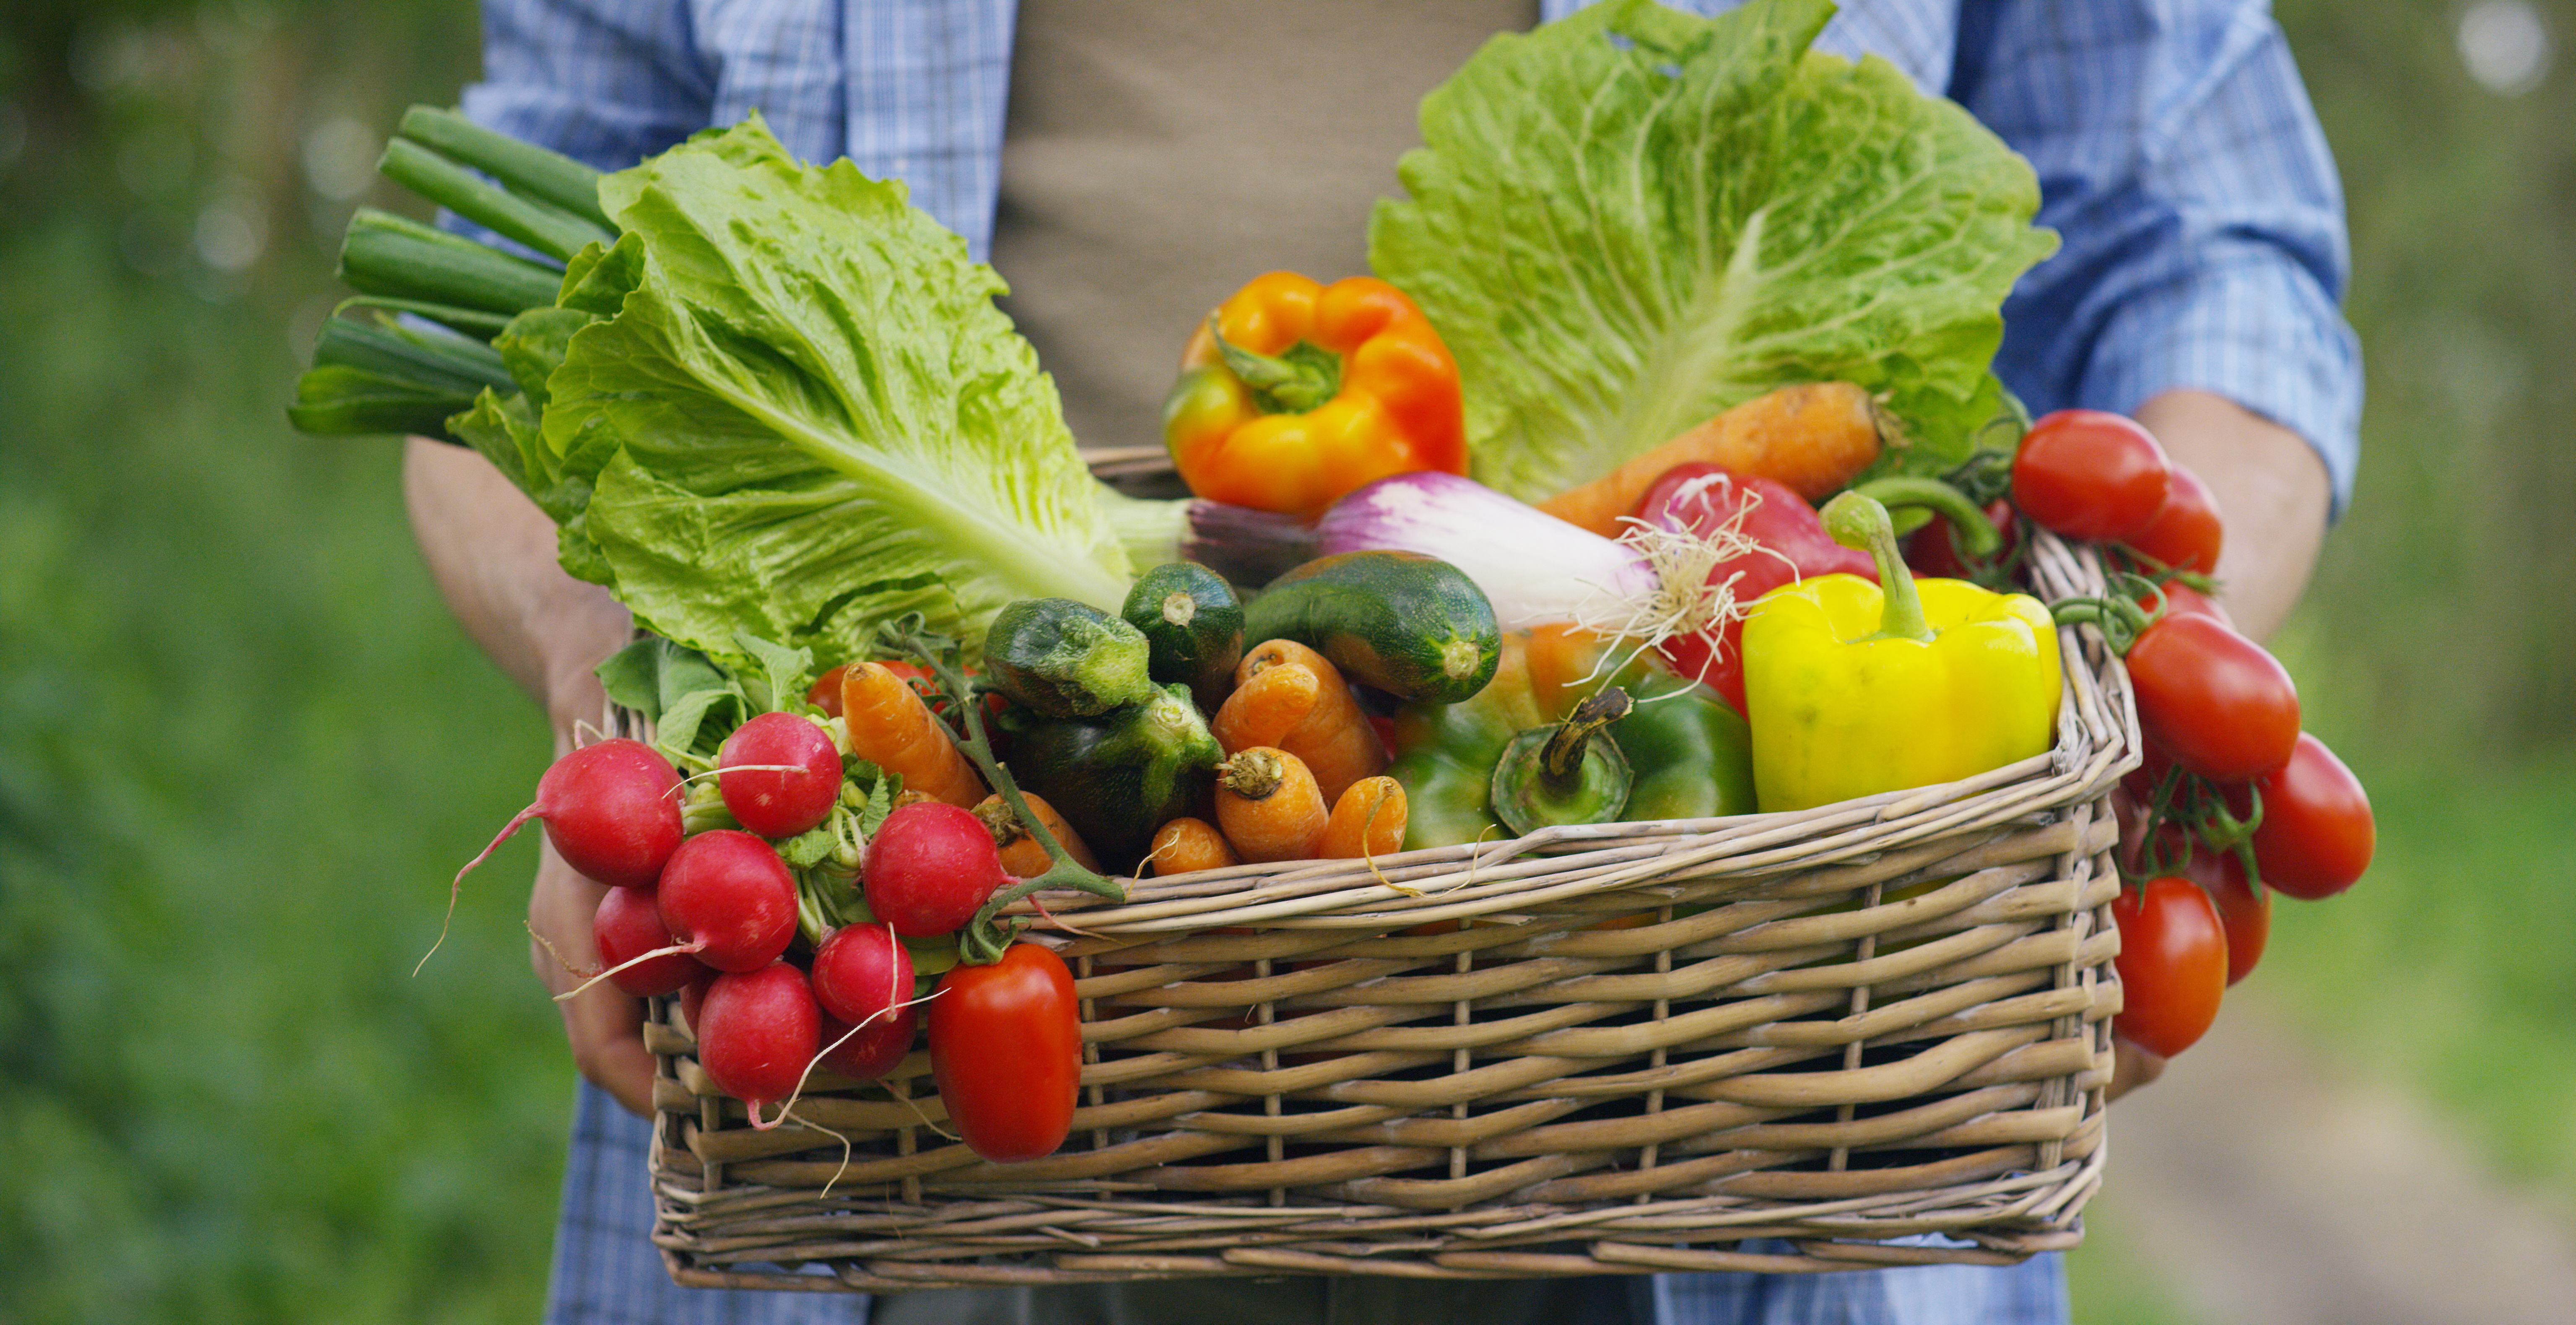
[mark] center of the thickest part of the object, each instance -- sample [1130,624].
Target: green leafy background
[242,745]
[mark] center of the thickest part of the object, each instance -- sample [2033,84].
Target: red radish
[860,971]
[612,809]
[757,1033]
[626,927]
[794,779]
[728,898]
[930,867]
[872,1051]
[693,995]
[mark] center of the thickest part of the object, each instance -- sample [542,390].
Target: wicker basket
[1832,1032]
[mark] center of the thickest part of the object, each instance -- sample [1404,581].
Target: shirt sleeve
[2202,223]
[608,82]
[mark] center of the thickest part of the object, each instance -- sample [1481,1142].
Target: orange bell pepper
[1293,393]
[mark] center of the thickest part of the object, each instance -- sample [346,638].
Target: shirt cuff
[2257,332]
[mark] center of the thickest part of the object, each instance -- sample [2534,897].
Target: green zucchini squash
[1411,625]
[1193,626]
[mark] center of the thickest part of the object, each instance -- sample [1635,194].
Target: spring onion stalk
[541,226]
[389,255]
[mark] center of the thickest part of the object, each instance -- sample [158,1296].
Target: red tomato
[2088,473]
[1933,551]
[2172,964]
[2318,833]
[1006,1046]
[2213,699]
[825,693]
[2185,533]
[2244,913]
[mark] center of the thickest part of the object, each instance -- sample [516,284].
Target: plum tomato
[2244,911]
[2089,473]
[1006,1047]
[2317,834]
[2172,964]
[2185,533]
[2213,699]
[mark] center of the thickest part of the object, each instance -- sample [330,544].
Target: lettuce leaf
[799,414]
[1631,219]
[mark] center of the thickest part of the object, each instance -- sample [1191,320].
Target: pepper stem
[1562,757]
[1975,534]
[1857,520]
[1293,382]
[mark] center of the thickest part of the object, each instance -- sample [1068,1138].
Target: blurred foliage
[242,746]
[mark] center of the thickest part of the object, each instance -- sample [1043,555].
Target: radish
[627,926]
[794,780]
[930,867]
[611,810]
[729,899]
[861,971]
[863,979]
[757,1034]
[693,995]
[867,1052]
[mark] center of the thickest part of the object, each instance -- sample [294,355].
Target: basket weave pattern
[1614,1048]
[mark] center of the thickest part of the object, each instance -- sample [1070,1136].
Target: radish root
[457,885]
[575,992]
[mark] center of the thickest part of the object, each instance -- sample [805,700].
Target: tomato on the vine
[1006,1047]
[2089,473]
[2213,699]
[2172,964]
[2185,533]
[2317,833]
[2244,912]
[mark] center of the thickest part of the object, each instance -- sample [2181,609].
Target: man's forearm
[492,553]
[2272,492]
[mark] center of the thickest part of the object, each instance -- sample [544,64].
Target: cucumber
[1118,777]
[1066,659]
[1411,625]
[1193,626]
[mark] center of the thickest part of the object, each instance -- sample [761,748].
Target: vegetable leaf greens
[783,405]
[1632,219]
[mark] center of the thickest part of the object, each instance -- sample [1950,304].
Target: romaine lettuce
[1629,220]
[801,414]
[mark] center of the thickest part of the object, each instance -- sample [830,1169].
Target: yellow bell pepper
[1851,690]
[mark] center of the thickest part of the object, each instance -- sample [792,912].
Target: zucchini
[1193,626]
[1118,777]
[1411,625]
[1066,659]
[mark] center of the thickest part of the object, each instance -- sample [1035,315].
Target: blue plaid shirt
[2177,156]
[2176,153]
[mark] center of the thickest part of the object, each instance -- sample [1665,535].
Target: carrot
[891,728]
[1187,844]
[1022,854]
[1813,437]
[1334,739]
[1268,805]
[1368,820]
[1263,710]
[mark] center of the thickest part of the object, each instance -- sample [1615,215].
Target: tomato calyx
[2183,813]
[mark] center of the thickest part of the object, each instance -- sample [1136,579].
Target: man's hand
[493,554]
[2272,494]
